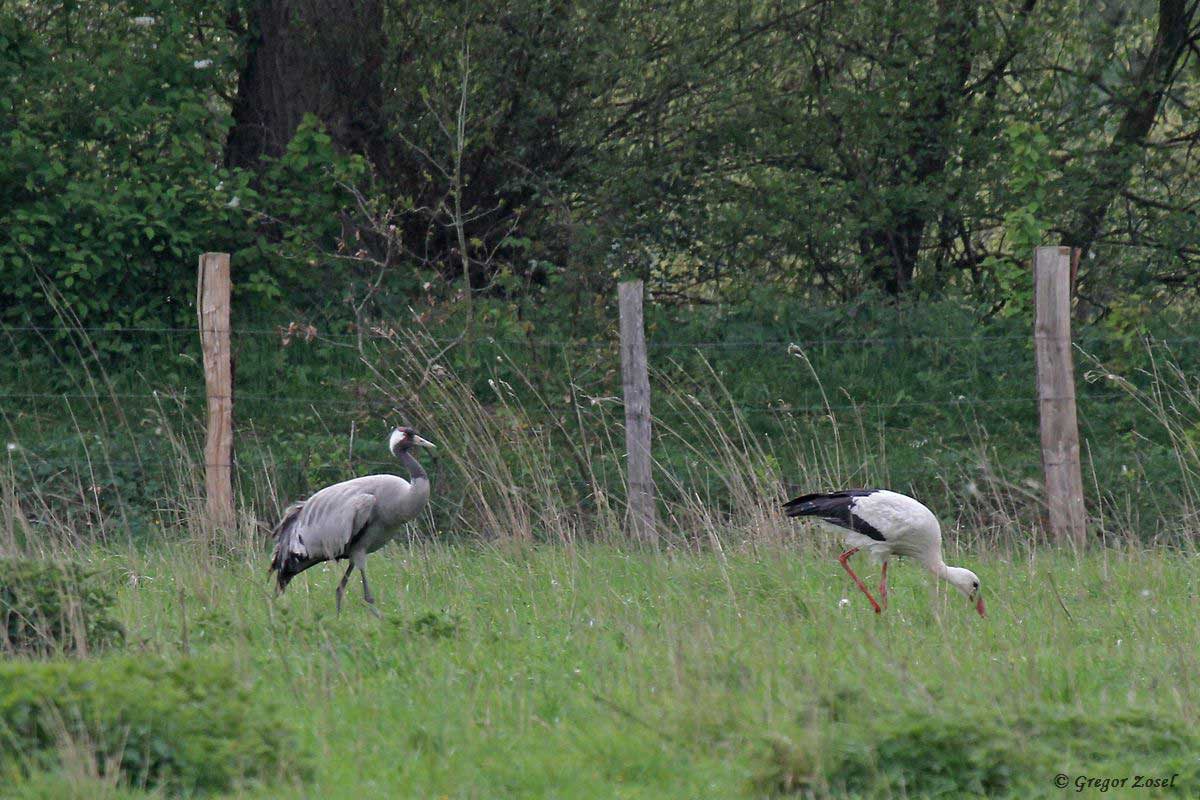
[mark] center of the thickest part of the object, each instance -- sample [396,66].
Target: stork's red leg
[883,586]
[843,558]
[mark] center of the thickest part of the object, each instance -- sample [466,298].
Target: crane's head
[403,439]
[966,582]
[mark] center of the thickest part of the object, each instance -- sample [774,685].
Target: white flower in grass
[11,447]
[1145,593]
[845,601]
[234,202]
[143,22]
[202,63]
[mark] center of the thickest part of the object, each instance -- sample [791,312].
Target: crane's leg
[362,571]
[370,598]
[843,559]
[883,586]
[341,590]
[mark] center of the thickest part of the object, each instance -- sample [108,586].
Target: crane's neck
[415,471]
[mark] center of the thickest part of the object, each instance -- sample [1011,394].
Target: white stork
[886,524]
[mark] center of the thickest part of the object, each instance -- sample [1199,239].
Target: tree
[320,57]
[1138,100]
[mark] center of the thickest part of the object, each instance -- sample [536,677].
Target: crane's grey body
[350,519]
[358,514]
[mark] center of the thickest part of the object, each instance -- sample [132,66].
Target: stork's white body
[908,526]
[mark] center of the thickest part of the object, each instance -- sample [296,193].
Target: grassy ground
[591,672]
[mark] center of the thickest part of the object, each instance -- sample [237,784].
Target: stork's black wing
[836,508]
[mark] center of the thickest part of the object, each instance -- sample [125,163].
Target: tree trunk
[922,154]
[320,57]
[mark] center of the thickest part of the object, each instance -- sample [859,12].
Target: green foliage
[592,144]
[112,482]
[953,411]
[56,607]
[107,187]
[111,184]
[192,725]
[972,752]
[439,624]
[297,212]
[65,784]
[1025,223]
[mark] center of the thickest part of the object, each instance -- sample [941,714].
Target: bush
[938,756]
[190,726]
[48,607]
[437,624]
[974,753]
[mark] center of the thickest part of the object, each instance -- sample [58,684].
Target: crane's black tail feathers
[289,567]
[287,563]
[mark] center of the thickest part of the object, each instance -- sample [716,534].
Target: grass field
[527,650]
[590,672]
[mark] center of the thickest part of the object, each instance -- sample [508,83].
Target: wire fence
[83,407]
[264,355]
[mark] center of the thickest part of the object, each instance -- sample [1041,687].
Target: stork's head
[404,439]
[966,582]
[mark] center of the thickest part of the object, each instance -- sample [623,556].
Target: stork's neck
[415,471]
[938,567]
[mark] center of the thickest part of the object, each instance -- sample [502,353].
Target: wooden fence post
[1056,394]
[635,381]
[212,306]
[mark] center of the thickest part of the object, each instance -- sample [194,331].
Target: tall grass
[514,463]
[525,460]
[1170,395]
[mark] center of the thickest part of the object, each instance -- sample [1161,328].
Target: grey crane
[350,519]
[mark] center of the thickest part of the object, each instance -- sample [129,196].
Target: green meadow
[588,671]
[529,649]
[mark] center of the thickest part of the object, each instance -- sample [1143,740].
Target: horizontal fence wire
[298,336]
[298,395]
[335,403]
[255,405]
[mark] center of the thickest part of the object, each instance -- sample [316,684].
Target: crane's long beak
[419,442]
[979,606]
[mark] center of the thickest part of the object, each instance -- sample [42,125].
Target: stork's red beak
[979,606]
